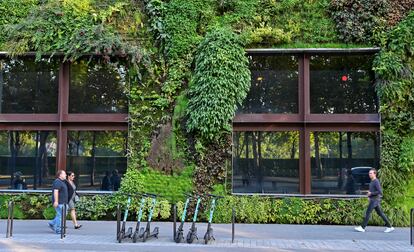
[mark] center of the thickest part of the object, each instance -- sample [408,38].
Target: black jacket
[70,190]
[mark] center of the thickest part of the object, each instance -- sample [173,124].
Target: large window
[309,125]
[27,86]
[266,162]
[342,84]
[62,115]
[274,86]
[97,88]
[94,154]
[340,161]
[27,159]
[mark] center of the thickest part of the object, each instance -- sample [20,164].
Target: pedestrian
[73,198]
[374,195]
[106,182]
[18,182]
[59,199]
[115,180]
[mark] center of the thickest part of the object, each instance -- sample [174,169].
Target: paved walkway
[34,235]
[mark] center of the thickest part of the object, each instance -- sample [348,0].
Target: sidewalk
[34,235]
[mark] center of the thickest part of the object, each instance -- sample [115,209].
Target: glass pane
[342,84]
[97,88]
[266,162]
[340,161]
[97,158]
[27,86]
[27,159]
[274,87]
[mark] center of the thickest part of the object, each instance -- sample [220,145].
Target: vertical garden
[189,73]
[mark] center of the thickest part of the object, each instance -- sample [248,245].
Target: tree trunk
[349,145]
[93,158]
[317,155]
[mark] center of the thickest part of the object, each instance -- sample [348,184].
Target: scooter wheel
[120,236]
[145,236]
[190,237]
[206,238]
[179,237]
[135,237]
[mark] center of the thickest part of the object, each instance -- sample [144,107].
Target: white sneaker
[389,229]
[360,229]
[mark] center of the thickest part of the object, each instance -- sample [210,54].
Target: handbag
[76,199]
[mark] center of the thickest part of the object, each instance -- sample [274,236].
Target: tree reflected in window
[98,88]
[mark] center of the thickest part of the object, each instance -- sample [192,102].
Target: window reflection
[342,84]
[92,155]
[274,86]
[98,88]
[340,161]
[27,159]
[266,162]
[27,86]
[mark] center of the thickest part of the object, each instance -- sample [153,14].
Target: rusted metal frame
[97,118]
[29,118]
[63,105]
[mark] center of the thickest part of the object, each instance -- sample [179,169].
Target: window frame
[305,121]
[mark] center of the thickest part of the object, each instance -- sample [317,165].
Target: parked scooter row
[140,232]
[192,233]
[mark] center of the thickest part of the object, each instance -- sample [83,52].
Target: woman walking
[72,198]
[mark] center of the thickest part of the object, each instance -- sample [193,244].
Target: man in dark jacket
[374,196]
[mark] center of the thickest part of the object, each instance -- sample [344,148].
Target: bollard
[175,221]
[118,220]
[12,218]
[9,216]
[411,226]
[64,219]
[63,222]
[232,224]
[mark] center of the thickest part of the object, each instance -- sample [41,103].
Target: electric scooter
[137,232]
[147,233]
[209,234]
[122,234]
[192,233]
[179,235]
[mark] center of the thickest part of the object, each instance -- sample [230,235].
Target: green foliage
[395,69]
[75,28]
[132,182]
[171,187]
[12,12]
[219,85]
[358,20]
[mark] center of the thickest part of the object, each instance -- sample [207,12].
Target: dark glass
[27,159]
[97,88]
[92,154]
[27,86]
[266,162]
[342,84]
[340,161]
[274,86]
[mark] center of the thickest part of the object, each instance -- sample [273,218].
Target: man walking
[374,195]
[59,199]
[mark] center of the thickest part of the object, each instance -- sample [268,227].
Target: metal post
[175,221]
[118,220]
[61,222]
[8,219]
[12,218]
[411,226]
[233,217]
[64,219]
